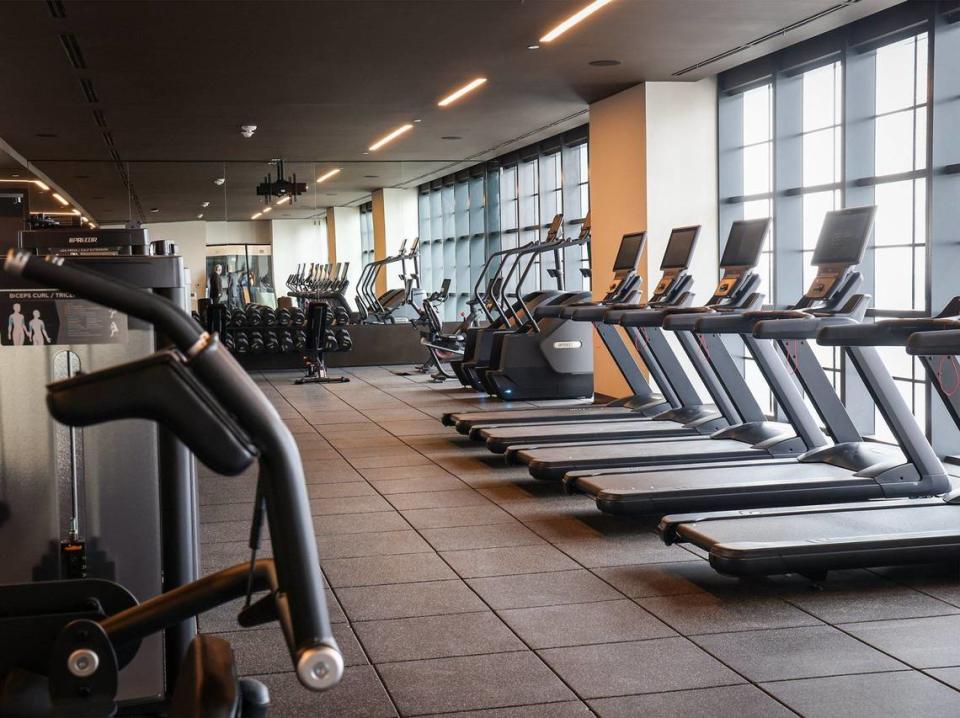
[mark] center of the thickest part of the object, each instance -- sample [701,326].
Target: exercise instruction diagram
[44,317]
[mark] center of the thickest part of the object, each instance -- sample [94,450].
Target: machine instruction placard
[40,317]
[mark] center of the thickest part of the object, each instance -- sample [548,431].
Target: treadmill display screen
[631,246]
[680,247]
[745,242]
[843,237]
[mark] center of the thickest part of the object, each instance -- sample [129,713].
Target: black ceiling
[159,89]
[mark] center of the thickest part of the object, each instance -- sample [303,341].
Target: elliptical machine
[65,641]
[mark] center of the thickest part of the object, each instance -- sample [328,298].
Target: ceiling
[157,91]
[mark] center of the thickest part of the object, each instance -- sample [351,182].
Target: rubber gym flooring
[461,586]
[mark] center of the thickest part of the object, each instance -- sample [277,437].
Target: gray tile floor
[460,586]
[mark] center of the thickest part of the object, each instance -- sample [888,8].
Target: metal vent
[56,8]
[769,36]
[72,48]
[87,85]
[99,118]
[108,139]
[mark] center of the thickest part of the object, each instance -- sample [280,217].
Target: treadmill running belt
[498,438]
[658,492]
[467,420]
[552,462]
[880,533]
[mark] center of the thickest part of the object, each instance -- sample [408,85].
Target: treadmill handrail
[942,340]
[886,333]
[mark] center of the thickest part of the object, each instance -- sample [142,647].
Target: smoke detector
[248,130]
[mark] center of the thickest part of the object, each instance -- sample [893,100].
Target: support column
[395,218]
[343,236]
[618,203]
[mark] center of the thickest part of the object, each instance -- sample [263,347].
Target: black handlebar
[299,592]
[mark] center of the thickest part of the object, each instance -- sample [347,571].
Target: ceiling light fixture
[200,216]
[460,92]
[93,226]
[391,137]
[267,209]
[220,181]
[283,200]
[534,46]
[204,204]
[257,215]
[328,175]
[75,212]
[41,185]
[60,199]
[154,210]
[84,219]
[285,188]
[577,17]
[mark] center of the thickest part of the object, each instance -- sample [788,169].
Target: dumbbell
[283,317]
[341,315]
[268,316]
[227,339]
[271,342]
[330,341]
[297,317]
[286,340]
[299,340]
[344,341]
[237,318]
[256,342]
[253,317]
[242,342]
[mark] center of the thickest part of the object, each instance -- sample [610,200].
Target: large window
[843,120]
[505,203]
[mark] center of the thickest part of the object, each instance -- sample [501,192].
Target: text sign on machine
[45,317]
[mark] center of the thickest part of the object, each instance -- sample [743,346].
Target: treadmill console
[676,258]
[628,257]
[741,253]
[842,243]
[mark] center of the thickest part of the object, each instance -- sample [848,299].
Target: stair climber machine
[394,304]
[673,289]
[549,357]
[103,618]
[316,282]
[735,293]
[840,248]
[502,314]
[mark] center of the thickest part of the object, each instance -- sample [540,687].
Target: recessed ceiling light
[461,91]
[204,204]
[574,19]
[75,212]
[154,210]
[451,137]
[46,135]
[534,46]
[417,121]
[365,153]
[220,181]
[604,63]
[14,175]
[267,209]
[324,177]
[200,216]
[257,215]
[41,185]
[60,199]
[283,200]
[390,137]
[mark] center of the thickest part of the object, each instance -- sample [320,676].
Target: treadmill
[850,469]
[840,247]
[673,289]
[735,293]
[812,540]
